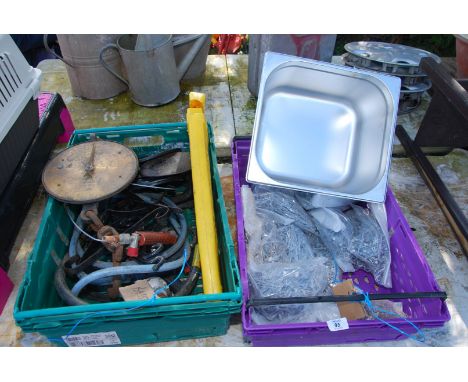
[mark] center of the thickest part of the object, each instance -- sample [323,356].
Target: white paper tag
[338,324]
[92,339]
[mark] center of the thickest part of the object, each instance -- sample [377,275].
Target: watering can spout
[190,56]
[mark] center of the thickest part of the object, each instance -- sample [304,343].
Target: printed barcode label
[338,324]
[92,339]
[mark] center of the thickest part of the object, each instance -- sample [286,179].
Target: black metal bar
[345,298]
[448,205]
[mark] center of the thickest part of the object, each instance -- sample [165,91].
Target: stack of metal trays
[398,60]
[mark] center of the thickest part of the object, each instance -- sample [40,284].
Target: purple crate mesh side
[410,273]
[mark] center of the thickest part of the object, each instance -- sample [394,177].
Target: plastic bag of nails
[370,246]
[282,243]
[274,238]
[299,279]
[253,224]
[357,239]
[336,232]
[283,203]
[321,312]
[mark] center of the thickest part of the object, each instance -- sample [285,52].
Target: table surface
[231,110]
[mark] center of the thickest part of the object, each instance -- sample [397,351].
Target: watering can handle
[47,47]
[190,56]
[103,63]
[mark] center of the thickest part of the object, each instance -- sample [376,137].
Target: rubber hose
[184,196]
[125,279]
[63,290]
[186,287]
[108,264]
[123,270]
[183,231]
[88,262]
[176,255]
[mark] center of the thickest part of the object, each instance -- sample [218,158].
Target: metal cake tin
[406,78]
[323,128]
[392,58]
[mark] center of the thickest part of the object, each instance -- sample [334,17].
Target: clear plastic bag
[369,246]
[385,309]
[336,233]
[356,239]
[282,243]
[309,200]
[319,312]
[317,245]
[253,224]
[300,279]
[271,237]
[285,205]
[380,214]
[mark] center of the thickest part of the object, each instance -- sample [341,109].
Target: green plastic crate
[38,307]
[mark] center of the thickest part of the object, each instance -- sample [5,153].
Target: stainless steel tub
[323,128]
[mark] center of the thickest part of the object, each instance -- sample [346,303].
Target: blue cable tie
[373,310]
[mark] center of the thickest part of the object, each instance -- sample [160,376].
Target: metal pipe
[353,297]
[63,290]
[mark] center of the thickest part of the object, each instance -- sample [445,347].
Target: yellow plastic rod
[203,195]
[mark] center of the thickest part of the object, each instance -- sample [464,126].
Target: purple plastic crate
[410,273]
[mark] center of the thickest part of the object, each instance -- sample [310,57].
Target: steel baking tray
[323,128]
